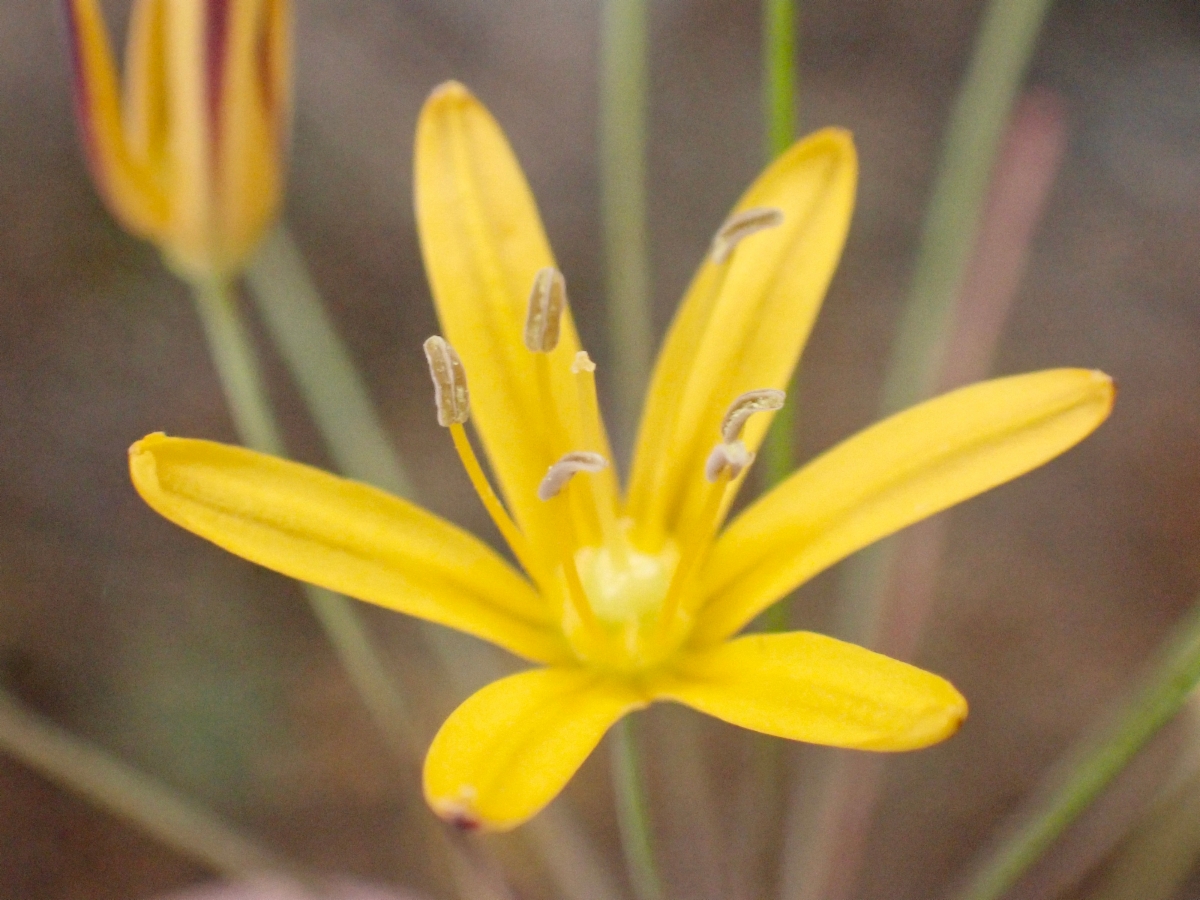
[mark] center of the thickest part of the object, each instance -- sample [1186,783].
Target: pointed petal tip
[459,813]
[464,817]
[143,466]
[450,92]
[1095,386]
[938,726]
[146,443]
[832,140]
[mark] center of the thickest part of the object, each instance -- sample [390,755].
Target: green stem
[131,795]
[632,813]
[982,111]
[779,74]
[624,99]
[322,367]
[1172,682]
[1007,38]
[241,378]
[237,366]
[779,107]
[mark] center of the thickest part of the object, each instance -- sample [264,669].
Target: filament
[508,529]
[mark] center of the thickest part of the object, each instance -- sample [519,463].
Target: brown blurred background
[211,674]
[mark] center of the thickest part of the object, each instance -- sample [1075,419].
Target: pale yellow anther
[740,226]
[733,458]
[547,300]
[449,383]
[749,403]
[567,468]
[582,363]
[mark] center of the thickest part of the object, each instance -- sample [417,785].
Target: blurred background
[212,674]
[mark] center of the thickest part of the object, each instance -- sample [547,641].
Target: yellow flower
[192,156]
[626,600]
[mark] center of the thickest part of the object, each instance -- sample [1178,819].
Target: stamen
[491,502]
[567,468]
[582,363]
[603,492]
[579,597]
[547,300]
[728,459]
[696,542]
[449,383]
[454,409]
[552,485]
[749,403]
[740,226]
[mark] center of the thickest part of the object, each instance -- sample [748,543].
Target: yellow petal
[897,472]
[511,747]
[127,188]
[192,36]
[145,108]
[344,536]
[251,131]
[808,687]
[483,243]
[742,326]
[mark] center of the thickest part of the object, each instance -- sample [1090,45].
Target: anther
[582,363]
[566,468]
[732,457]
[740,226]
[746,405]
[449,383]
[547,300]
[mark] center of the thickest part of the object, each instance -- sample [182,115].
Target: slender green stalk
[632,814]
[131,795]
[319,362]
[241,378]
[950,238]
[1007,38]
[624,101]
[237,366]
[779,107]
[1155,861]
[1172,682]
[779,74]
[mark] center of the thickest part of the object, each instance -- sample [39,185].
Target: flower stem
[829,837]
[241,378]
[779,107]
[624,99]
[319,362]
[1094,767]
[779,74]
[1007,38]
[131,795]
[237,366]
[632,814]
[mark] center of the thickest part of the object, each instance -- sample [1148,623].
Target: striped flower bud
[188,152]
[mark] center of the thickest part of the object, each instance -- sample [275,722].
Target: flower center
[620,608]
[626,590]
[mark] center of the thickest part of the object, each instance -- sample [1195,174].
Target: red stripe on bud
[218,21]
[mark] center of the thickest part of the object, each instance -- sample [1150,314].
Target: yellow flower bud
[188,152]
